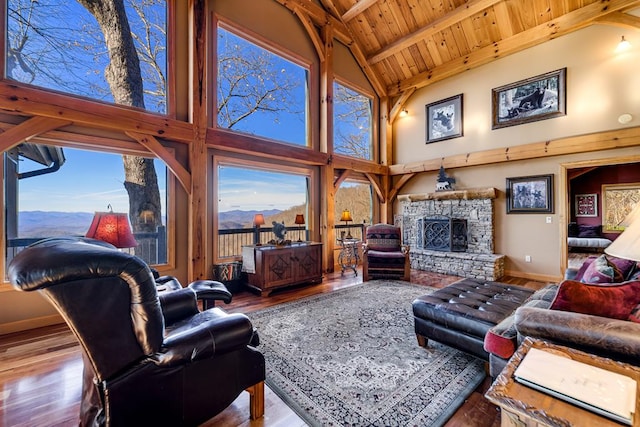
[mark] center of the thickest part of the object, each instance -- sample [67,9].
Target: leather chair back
[100,287]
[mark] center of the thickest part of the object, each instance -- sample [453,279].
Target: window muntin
[352,122]
[58,45]
[260,92]
[63,202]
[244,191]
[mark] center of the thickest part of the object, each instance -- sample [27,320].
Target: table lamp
[627,245]
[112,227]
[299,221]
[258,220]
[346,217]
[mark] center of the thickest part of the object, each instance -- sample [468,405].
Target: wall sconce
[299,221]
[623,45]
[346,217]
[112,227]
[404,112]
[258,220]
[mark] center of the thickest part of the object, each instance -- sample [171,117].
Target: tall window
[352,123]
[357,198]
[244,192]
[53,191]
[260,92]
[58,44]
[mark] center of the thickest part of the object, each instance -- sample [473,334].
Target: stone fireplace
[452,232]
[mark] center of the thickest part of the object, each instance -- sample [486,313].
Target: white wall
[601,85]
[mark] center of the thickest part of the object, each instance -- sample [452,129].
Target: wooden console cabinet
[280,266]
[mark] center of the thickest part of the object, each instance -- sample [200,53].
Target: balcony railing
[231,241]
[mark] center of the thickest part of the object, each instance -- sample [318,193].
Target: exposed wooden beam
[27,130]
[342,176]
[397,106]
[463,12]
[182,174]
[32,101]
[619,138]
[373,179]
[321,17]
[560,26]
[357,9]
[358,165]
[620,19]
[312,32]
[398,186]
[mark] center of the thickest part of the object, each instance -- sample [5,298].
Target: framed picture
[530,194]
[617,201]
[536,98]
[586,204]
[444,119]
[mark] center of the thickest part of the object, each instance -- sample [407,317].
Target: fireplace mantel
[470,194]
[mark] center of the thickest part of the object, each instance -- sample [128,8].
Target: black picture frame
[537,98]
[530,194]
[444,119]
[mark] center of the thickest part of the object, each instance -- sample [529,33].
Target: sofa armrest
[176,305]
[616,339]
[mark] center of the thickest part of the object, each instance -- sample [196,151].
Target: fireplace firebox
[448,235]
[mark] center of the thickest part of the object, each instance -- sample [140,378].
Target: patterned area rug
[351,357]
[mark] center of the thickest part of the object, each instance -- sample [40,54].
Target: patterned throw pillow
[602,271]
[615,301]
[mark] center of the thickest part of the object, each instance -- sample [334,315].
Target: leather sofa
[149,359]
[617,339]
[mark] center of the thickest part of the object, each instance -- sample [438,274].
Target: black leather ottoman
[460,314]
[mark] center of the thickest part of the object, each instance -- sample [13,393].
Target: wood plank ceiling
[408,44]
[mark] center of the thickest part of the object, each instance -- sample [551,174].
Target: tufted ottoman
[460,314]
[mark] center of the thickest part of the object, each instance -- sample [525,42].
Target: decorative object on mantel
[469,194]
[444,183]
[280,230]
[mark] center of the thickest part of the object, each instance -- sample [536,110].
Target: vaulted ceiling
[404,45]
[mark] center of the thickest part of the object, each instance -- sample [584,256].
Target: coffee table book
[524,405]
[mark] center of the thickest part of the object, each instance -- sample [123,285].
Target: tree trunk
[124,77]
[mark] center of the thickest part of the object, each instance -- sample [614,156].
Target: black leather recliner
[148,360]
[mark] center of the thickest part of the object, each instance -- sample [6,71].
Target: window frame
[129,149]
[224,159]
[368,93]
[275,49]
[74,101]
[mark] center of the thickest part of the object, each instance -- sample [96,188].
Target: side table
[523,406]
[349,257]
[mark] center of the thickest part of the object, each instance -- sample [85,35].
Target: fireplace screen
[449,235]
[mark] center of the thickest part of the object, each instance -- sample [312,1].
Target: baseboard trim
[533,276]
[25,325]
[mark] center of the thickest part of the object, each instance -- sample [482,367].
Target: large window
[357,198]
[260,92]
[54,191]
[58,44]
[352,123]
[244,191]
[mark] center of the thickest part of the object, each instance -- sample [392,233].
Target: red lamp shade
[112,227]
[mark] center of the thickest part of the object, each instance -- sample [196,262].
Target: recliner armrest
[211,290]
[616,339]
[177,305]
[219,333]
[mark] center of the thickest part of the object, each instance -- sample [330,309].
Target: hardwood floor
[40,370]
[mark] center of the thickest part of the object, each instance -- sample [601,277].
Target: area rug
[351,357]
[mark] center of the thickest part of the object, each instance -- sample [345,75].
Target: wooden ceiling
[407,44]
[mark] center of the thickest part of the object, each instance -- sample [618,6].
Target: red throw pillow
[616,300]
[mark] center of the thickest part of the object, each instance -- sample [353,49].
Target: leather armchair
[148,360]
[383,255]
